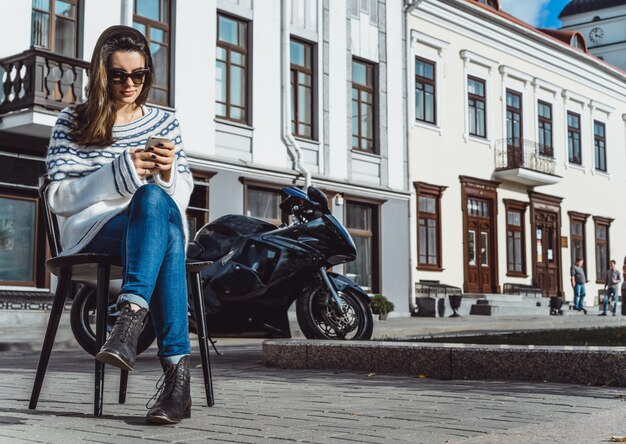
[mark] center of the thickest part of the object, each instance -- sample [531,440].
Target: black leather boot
[174,396]
[120,349]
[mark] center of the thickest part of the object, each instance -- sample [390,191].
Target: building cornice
[469,56]
[425,39]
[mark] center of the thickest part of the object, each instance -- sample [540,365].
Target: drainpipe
[285,86]
[127,12]
[409,7]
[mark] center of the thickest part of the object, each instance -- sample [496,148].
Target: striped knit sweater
[90,184]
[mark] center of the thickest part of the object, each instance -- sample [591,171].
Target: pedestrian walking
[578,284]
[612,280]
[115,197]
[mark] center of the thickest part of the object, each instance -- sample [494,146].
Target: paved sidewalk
[255,404]
[25,329]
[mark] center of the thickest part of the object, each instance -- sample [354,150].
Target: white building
[603,23]
[517,152]
[224,66]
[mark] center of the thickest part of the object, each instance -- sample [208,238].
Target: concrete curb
[577,365]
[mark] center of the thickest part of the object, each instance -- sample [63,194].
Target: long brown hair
[94,119]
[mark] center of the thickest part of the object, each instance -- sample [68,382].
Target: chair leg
[123,384]
[198,305]
[102,297]
[63,287]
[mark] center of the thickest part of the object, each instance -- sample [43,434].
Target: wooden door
[546,251]
[479,257]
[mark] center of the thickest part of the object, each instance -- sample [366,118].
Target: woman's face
[123,89]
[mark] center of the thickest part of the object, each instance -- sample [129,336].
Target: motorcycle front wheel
[319,318]
[83,321]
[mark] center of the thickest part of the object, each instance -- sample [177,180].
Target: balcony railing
[40,79]
[522,153]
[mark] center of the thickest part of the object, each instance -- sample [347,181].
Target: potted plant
[381,306]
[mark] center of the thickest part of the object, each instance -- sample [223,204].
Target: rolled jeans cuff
[133,299]
[173,360]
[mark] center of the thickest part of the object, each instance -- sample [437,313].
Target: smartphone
[152,141]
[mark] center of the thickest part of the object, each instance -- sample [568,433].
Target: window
[578,42]
[301,54]
[492,3]
[363,118]
[231,77]
[429,226]
[476,107]
[198,209]
[599,144]
[573,138]
[18,240]
[264,203]
[151,18]
[544,117]
[514,127]
[515,238]
[602,246]
[361,221]
[578,248]
[425,92]
[54,26]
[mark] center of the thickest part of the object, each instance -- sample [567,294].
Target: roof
[579,6]
[566,36]
[561,39]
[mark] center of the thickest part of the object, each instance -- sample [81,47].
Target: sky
[539,13]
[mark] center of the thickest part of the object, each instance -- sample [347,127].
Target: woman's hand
[163,156]
[144,162]
[158,158]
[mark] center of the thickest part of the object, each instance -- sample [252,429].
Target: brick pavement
[256,404]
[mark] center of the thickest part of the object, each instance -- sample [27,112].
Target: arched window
[577,41]
[492,3]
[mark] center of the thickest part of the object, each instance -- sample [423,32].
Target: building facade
[517,152]
[603,23]
[268,94]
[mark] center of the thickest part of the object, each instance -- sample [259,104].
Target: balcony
[36,85]
[525,162]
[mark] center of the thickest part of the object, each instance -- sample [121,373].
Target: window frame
[435,192]
[375,264]
[295,70]
[200,215]
[52,26]
[541,129]
[166,27]
[599,146]
[265,187]
[520,112]
[476,98]
[575,217]
[370,88]
[604,222]
[426,81]
[511,205]
[571,131]
[40,246]
[246,54]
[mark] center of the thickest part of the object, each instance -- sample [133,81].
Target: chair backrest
[50,219]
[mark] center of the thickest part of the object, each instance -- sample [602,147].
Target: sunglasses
[119,77]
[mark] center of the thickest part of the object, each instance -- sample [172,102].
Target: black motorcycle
[259,270]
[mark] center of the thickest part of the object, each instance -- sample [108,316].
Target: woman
[116,198]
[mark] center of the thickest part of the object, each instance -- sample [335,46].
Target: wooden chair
[101,268]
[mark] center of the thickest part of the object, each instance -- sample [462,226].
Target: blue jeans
[579,295]
[611,291]
[149,237]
